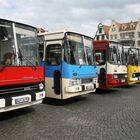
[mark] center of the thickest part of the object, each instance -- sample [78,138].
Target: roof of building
[40,30]
[127,26]
[119,25]
[106,29]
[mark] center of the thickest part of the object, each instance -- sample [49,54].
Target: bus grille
[122,76]
[18,89]
[86,80]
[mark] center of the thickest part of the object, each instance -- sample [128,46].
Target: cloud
[4,4]
[134,8]
[82,16]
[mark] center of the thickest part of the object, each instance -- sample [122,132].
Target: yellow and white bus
[132,58]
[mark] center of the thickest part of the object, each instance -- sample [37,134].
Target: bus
[21,76]
[132,59]
[69,64]
[112,71]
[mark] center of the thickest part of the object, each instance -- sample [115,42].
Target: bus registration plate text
[123,80]
[22,100]
[88,87]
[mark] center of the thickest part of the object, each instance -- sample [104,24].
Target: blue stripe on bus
[71,71]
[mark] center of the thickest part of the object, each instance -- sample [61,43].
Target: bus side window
[8,59]
[41,56]
[100,58]
[97,58]
[53,54]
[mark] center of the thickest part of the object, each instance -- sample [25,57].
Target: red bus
[21,76]
[112,71]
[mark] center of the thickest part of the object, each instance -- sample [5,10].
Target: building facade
[102,32]
[126,33]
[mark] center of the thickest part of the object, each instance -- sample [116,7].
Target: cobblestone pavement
[107,115]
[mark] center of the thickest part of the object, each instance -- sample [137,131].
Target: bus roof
[106,41]
[62,33]
[102,44]
[1,19]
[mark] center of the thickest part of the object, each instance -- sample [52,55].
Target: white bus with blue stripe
[69,64]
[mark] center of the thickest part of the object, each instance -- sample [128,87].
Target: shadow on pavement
[15,113]
[58,102]
[127,86]
[106,91]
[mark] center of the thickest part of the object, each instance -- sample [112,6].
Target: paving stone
[105,115]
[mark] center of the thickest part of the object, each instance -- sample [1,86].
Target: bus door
[101,62]
[53,70]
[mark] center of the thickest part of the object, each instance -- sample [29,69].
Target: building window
[103,37]
[97,37]
[131,35]
[138,43]
[126,35]
[113,29]
[111,37]
[123,27]
[138,34]
[100,30]
[115,36]
[132,25]
[122,35]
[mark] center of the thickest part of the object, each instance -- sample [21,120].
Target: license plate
[123,80]
[88,87]
[22,100]
[77,88]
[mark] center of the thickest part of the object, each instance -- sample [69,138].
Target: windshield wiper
[21,58]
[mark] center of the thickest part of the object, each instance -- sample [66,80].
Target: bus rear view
[21,76]
[111,67]
[69,64]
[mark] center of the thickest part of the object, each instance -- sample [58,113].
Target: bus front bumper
[134,79]
[21,101]
[80,88]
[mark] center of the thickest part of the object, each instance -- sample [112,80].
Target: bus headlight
[95,80]
[115,76]
[74,82]
[125,76]
[41,86]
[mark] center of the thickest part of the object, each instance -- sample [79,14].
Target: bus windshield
[78,50]
[7,47]
[126,55]
[115,55]
[100,57]
[134,58]
[27,44]
[89,50]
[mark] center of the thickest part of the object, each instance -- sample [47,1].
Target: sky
[79,15]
